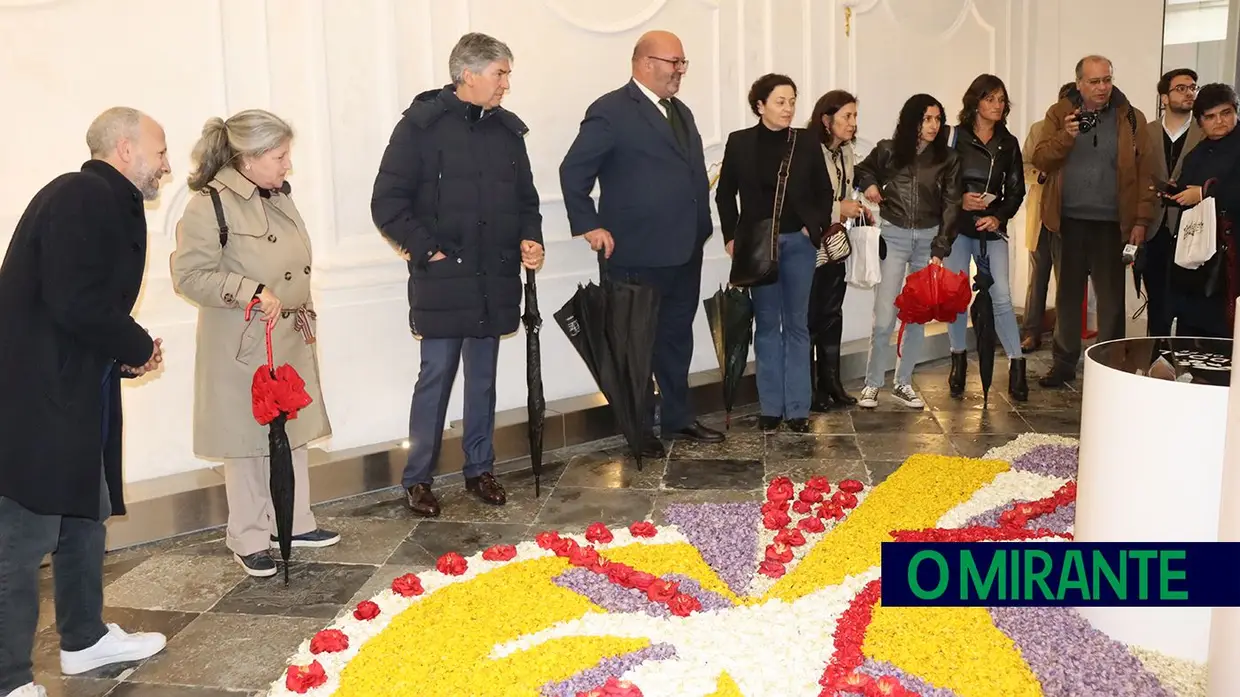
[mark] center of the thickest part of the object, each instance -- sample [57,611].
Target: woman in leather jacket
[992,175]
[915,177]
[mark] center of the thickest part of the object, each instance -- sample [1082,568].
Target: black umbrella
[277,395]
[730,316]
[612,327]
[983,314]
[536,403]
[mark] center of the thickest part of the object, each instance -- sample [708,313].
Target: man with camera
[1097,198]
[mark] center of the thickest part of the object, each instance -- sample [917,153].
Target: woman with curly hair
[915,177]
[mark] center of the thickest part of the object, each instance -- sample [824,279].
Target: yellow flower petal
[726,687]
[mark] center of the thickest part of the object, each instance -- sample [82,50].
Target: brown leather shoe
[422,501]
[487,488]
[1030,344]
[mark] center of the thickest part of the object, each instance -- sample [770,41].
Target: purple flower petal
[1096,665]
[725,534]
[710,600]
[615,666]
[1057,521]
[1050,461]
[609,596]
[878,669]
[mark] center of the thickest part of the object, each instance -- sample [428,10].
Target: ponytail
[211,153]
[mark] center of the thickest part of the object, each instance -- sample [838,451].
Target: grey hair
[474,52]
[1080,65]
[247,133]
[111,127]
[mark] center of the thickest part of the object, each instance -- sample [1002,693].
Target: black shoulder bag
[755,255]
[219,216]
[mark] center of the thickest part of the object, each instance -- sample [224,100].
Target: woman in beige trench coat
[265,255]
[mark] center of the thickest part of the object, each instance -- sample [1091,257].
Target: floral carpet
[780,598]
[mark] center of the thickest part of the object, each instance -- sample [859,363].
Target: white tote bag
[863,267]
[1198,238]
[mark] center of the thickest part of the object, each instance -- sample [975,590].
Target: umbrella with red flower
[934,293]
[277,395]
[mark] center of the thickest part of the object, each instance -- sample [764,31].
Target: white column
[1224,658]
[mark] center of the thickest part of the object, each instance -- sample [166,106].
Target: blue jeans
[781,331]
[908,251]
[428,414]
[996,263]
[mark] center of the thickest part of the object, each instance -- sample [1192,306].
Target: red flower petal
[683,605]
[366,610]
[810,495]
[598,533]
[643,529]
[811,525]
[661,591]
[851,486]
[822,484]
[500,553]
[407,586]
[583,556]
[802,507]
[302,679]
[329,641]
[546,539]
[775,521]
[772,569]
[451,564]
[791,537]
[780,553]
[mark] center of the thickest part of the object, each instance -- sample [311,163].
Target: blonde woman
[242,239]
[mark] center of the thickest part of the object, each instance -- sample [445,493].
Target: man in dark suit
[67,286]
[643,148]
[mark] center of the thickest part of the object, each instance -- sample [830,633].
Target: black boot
[1018,386]
[828,293]
[822,383]
[960,368]
[834,387]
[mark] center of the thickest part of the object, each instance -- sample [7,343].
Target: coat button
[228,297]
[271,238]
[307,270]
[288,275]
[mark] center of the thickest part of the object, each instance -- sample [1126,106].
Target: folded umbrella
[983,314]
[730,316]
[536,402]
[277,394]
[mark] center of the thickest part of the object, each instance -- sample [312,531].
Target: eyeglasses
[1185,89]
[677,63]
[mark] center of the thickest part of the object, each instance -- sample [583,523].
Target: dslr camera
[1087,120]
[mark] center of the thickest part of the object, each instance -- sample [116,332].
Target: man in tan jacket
[1097,200]
[1171,138]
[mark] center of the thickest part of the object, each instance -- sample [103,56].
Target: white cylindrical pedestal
[1151,460]
[1224,678]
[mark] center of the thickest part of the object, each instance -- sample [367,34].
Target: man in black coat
[641,145]
[456,193]
[67,286]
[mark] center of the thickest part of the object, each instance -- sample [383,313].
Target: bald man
[641,145]
[67,287]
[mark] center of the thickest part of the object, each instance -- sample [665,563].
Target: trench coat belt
[301,321]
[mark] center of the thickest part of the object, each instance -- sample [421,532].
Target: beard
[146,177]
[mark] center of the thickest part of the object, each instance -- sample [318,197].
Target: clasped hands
[157,357]
[532,255]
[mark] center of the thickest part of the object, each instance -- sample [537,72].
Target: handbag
[1197,240]
[755,256]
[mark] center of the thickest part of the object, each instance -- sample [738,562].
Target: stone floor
[232,635]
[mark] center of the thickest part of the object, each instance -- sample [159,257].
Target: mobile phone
[1166,188]
[988,198]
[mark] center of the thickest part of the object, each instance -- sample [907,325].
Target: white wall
[342,71]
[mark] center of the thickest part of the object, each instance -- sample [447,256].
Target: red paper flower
[302,679]
[451,564]
[564,547]
[772,569]
[802,507]
[618,574]
[329,641]
[851,486]
[283,392]
[583,556]
[810,495]
[844,499]
[640,580]
[811,525]
[643,528]
[791,537]
[614,687]
[820,484]
[775,520]
[683,605]
[545,540]
[778,552]
[780,489]
[407,586]
[774,507]
[598,533]
[661,591]
[366,610]
[500,553]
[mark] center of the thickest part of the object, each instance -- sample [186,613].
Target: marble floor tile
[410,553]
[386,503]
[314,590]
[714,474]
[740,446]
[381,580]
[614,468]
[838,422]
[234,652]
[185,583]
[895,422]
[1057,422]
[438,538]
[941,399]
[362,540]
[796,446]
[802,470]
[893,446]
[881,469]
[572,510]
[60,686]
[457,504]
[129,689]
[977,445]
[978,421]
[47,642]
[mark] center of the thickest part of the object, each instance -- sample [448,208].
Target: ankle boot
[822,381]
[836,387]
[960,368]
[1018,386]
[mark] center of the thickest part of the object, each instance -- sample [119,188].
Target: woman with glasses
[992,175]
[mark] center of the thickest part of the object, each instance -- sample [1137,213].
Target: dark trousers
[781,331]
[1087,249]
[77,547]
[679,289]
[429,411]
[1041,263]
[1156,277]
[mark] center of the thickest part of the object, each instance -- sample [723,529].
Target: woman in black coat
[1201,300]
[992,176]
[752,160]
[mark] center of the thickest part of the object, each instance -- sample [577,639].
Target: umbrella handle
[248,310]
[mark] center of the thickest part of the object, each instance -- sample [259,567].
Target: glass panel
[1195,36]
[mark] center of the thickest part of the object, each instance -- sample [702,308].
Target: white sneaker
[115,647]
[905,395]
[869,398]
[28,690]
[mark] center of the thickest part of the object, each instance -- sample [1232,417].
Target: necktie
[673,120]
